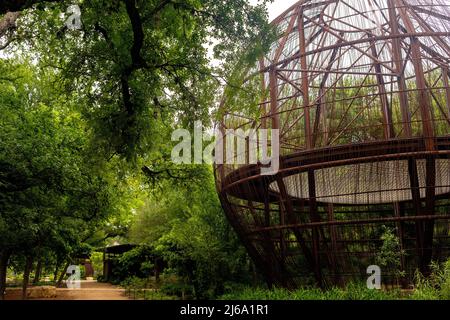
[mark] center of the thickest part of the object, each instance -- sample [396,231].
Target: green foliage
[58,197]
[434,287]
[136,263]
[390,253]
[97,263]
[134,282]
[83,111]
[177,289]
[46,178]
[170,289]
[136,64]
[352,292]
[188,230]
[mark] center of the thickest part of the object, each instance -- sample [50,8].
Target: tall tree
[135,62]
[53,188]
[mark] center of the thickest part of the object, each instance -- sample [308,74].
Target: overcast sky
[277,7]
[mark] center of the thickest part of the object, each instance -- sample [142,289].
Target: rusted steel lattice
[359,91]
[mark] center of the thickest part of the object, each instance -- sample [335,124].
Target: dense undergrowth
[354,291]
[434,287]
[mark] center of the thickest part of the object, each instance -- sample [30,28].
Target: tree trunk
[37,274]
[8,22]
[55,274]
[63,273]
[26,276]
[254,274]
[4,257]
[157,270]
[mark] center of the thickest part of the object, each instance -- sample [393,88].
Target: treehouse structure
[359,93]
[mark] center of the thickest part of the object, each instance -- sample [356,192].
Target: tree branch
[136,60]
[19,5]
[138,36]
[8,22]
[161,6]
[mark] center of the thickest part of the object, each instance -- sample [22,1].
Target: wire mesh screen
[359,94]
[367,183]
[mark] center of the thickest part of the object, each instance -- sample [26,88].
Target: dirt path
[90,290]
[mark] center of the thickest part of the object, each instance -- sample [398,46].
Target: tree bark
[55,274]
[63,273]
[37,274]
[157,270]
[26,276]
[4,257]
[8,22]
[254,274]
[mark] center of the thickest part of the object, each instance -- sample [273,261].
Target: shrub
[352,292]
[436,286]
[134,263]
[134,283]
[390,253]
[177,289]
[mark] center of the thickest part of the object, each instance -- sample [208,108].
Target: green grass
[351,292]
[148,294]
[434,287]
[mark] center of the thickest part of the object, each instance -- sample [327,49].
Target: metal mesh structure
[359,92]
